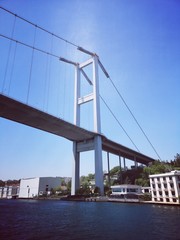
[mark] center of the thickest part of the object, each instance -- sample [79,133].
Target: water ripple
[31,220]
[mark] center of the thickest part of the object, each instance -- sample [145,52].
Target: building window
[165,185]
[174,200]
[171,185]
[161,199]
[159,185]
[170,178]
[167,199]
[133,190]
[173,193]
[166,193]
[117,190]
[157,179]
[164,179]
[160,193]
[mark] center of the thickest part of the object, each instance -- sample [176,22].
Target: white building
[125,191]
[165,187]
[146,190]
[9,191]
[34,187]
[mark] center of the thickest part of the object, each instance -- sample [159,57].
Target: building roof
[126,186]
[172,173]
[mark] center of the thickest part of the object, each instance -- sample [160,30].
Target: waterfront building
[165,187]
[126,191]
[9,191]
[38,186]
[146,190]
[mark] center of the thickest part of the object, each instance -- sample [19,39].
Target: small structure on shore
[9,191]
[125,192]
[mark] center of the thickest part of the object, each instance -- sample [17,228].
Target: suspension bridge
[83,140]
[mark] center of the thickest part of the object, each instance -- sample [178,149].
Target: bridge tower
[91,144]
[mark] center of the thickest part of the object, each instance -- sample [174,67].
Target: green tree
[114,171]
[69,186]
[127,180]
[91,176]
[142,182]
[2,183]
[63,183]
[84,181]
[157,167]
[107,190]
[83,191]
[177,160]
[97,190]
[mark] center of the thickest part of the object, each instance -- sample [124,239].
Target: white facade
[126,189]
[146,190]
[34,187]
[9,191]
[165,188]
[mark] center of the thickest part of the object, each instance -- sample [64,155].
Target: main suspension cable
[41,28]
[29,46]
[135,119]
[119,123]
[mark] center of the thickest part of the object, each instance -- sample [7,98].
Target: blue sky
[137,42]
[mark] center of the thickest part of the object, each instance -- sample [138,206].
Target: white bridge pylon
[95,143]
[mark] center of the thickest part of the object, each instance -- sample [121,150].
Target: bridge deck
[19,112]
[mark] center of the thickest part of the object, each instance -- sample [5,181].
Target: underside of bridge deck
[19,112]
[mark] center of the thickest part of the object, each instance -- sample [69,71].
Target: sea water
[55,219]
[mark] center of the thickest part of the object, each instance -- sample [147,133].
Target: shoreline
[107,199]
[96,199]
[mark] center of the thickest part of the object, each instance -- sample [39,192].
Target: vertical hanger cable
[8,58]
[49,74]
[31,66]
[12,69]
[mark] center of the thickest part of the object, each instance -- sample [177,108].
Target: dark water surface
[31,219]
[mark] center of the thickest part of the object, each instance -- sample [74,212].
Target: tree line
[140,175]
